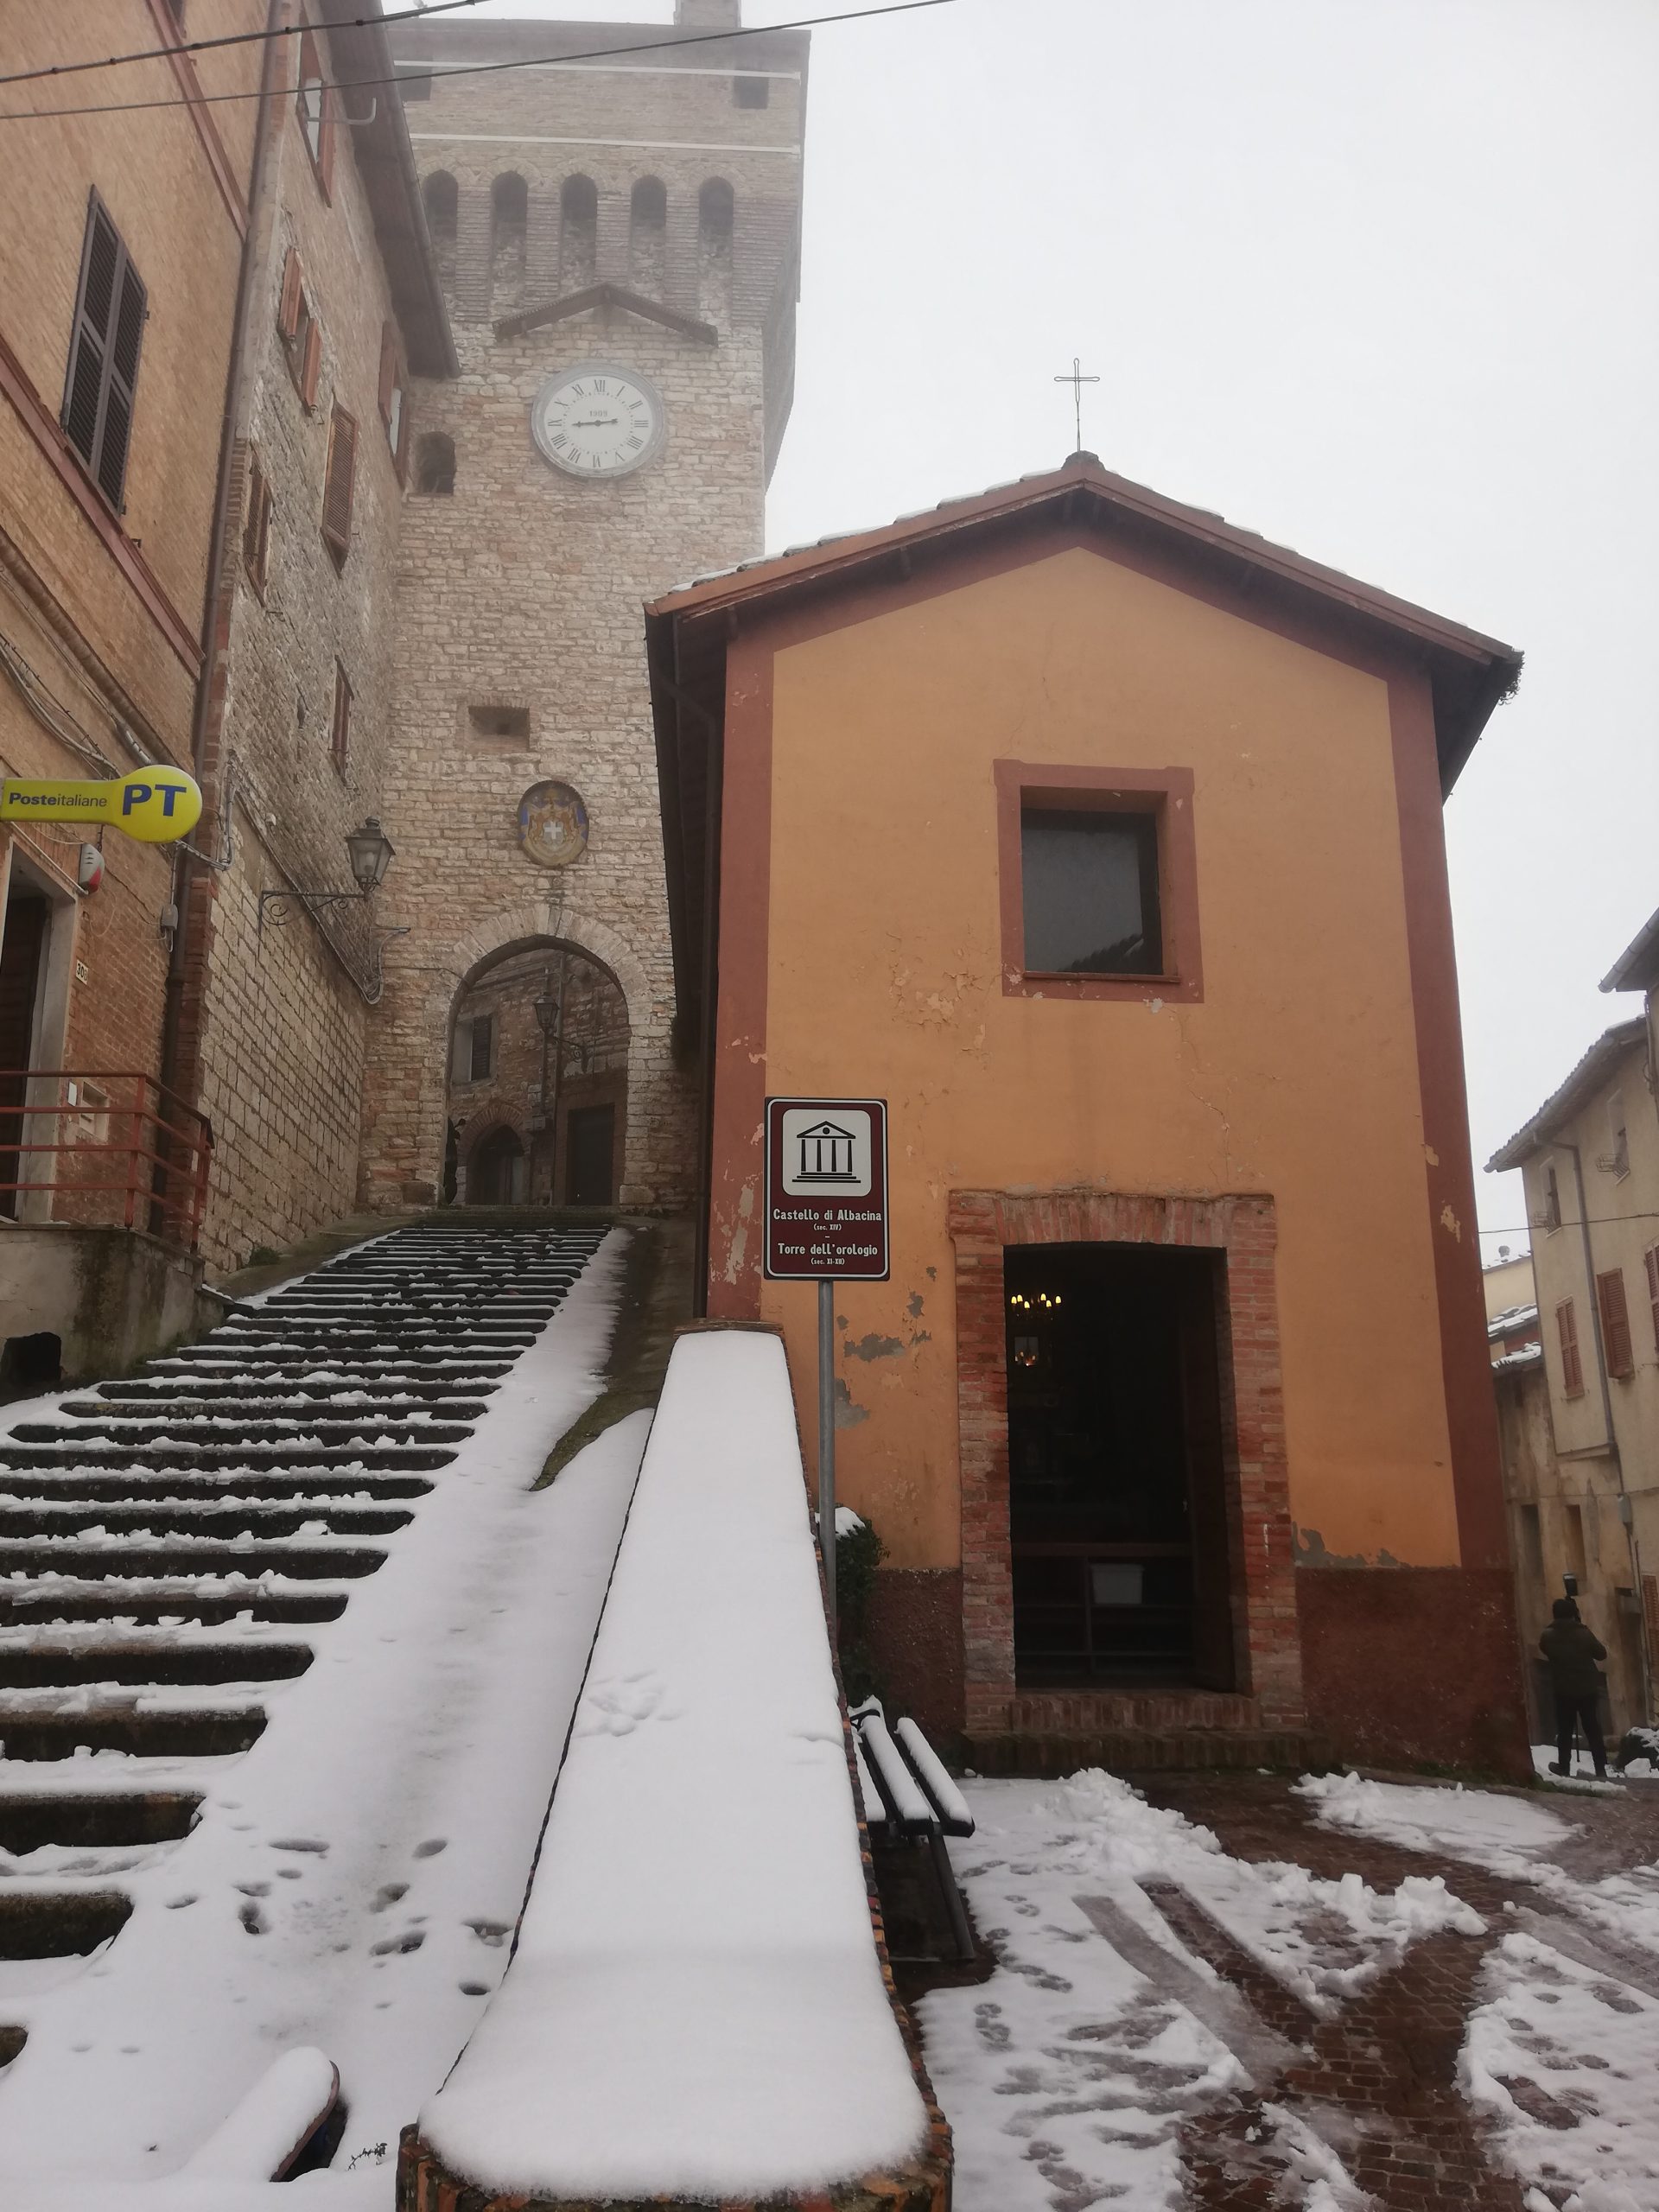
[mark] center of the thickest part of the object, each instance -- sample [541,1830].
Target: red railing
[102,1146]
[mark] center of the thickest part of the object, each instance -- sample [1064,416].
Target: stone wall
[523,588]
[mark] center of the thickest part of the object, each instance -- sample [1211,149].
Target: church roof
[687,629]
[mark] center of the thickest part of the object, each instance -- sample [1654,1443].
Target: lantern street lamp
[370,853]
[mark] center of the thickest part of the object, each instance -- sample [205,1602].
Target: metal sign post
[827,1222]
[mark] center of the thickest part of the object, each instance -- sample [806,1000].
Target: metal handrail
[167,1152]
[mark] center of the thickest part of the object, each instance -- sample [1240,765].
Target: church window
[1098,882]
[315,108]
[340,741]
[648,236]
[509,225]
[716,209]
[578,234]
[338,482]
[1090,887]
[752,92]
[435,464]
[715,219]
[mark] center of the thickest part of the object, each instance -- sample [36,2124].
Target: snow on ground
[1564,2064]
[354,1878]
[696,2005]
[1066,2077]
[1508,1834]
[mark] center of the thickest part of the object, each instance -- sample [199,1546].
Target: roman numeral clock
[598,420]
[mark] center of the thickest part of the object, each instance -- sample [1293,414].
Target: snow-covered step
[165,1517]
[456,1399]
[45,1603]
[180,1556]
[95,1820]
[195,1424]
[50,1664]
[54,1923]
[224,1482]
[294,1453]
[34,1732]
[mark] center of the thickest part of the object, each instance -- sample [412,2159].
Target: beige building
[1507,1283]
[1579,1414]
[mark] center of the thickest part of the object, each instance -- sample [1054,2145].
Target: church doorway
[590,1144]
[496,1174]
[1117,1474]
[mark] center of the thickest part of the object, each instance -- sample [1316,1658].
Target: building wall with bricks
[300,726]
[522,587]
[101,597]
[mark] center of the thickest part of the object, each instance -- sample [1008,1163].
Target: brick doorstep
[1049,1755]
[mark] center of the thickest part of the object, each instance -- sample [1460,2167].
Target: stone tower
[618,233]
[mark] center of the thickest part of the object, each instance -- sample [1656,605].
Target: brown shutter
[311,367]
[288,315]
[388,369]
[110,306]
[340,741]
[337,486]
[326,158]
[1615,1322]
[1651,1257]
[1566,1327]
[256,529]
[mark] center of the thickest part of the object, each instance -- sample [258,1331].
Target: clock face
[597,420]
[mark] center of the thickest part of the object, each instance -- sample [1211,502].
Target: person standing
[1573,1651]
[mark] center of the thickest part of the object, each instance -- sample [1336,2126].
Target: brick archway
[1243,1227]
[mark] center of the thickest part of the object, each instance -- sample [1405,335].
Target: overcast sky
[1375,277]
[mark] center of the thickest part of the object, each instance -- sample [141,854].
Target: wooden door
[1208,1518]
[590,1142]
[27,917]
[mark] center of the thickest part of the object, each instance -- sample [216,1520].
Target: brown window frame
[1566,1331]
[339,733]
[337,504]
[1164,793]
[256,525]
[1650,1261]
[97,348]
[1614,1309]
[311,72]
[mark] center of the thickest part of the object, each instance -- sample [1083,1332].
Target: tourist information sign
[826,1222]
[827,1189]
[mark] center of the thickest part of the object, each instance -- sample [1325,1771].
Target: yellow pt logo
[156,805]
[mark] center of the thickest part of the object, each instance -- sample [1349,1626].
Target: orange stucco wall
[1297,1074]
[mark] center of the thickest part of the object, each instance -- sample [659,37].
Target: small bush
[859,1553]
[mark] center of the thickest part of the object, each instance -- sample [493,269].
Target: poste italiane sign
[827,1188]
[155,805]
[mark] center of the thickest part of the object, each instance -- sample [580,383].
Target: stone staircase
[1054,1732]
[165,1541]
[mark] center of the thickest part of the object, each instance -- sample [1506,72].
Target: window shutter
[256,530]
[108,334]
[311,367]
[1615,1322]
[337,486]
[288,316]
[388,371]
[1651,1260]
[342,739]
[1566,1327]
[325,156]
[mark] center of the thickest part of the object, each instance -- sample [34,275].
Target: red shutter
[388,369]
[1615,1322]
[1651,1259]
[1566,1328]
[288,314]
[337,486]
[311,367]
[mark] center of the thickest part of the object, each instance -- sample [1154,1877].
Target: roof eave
[1543,1129]
[1636,968]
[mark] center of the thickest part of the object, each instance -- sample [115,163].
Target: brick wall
[1261,1558]
[524,587]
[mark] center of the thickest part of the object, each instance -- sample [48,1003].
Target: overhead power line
[488,68]
[231,38]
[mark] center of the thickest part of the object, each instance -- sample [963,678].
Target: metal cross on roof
[1076,380]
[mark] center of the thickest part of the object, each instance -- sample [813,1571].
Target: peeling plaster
[848,1413]
[1449,1220]
[913,1303]
[1430,1155]
[874,1347]
[1311,1552]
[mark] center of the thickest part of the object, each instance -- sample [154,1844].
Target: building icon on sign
[826,1154]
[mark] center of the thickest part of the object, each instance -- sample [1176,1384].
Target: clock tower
[615,212]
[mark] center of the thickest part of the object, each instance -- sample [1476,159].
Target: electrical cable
[231,38]
[486,68]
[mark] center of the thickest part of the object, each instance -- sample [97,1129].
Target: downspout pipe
[178,960]
[1626,1513]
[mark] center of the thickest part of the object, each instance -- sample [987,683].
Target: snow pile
[1563,2062]
[353,1878]
[1067,2077]
[695,2006]
[1506,1835]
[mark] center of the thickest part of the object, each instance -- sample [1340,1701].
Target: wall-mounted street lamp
[370,853]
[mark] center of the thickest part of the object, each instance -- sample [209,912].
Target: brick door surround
[1243,1227]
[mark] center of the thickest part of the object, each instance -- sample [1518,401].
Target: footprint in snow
[410,1940]
[252,1919]
[431,1847]
[298,1843]
[388,1894]
[616,1707]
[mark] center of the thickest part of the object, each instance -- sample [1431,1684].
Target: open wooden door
[1208,1518]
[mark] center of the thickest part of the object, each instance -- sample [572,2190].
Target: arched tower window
[509,219]
[647,237]
[441,200]
[716,212]
[578,234]
[435,463]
